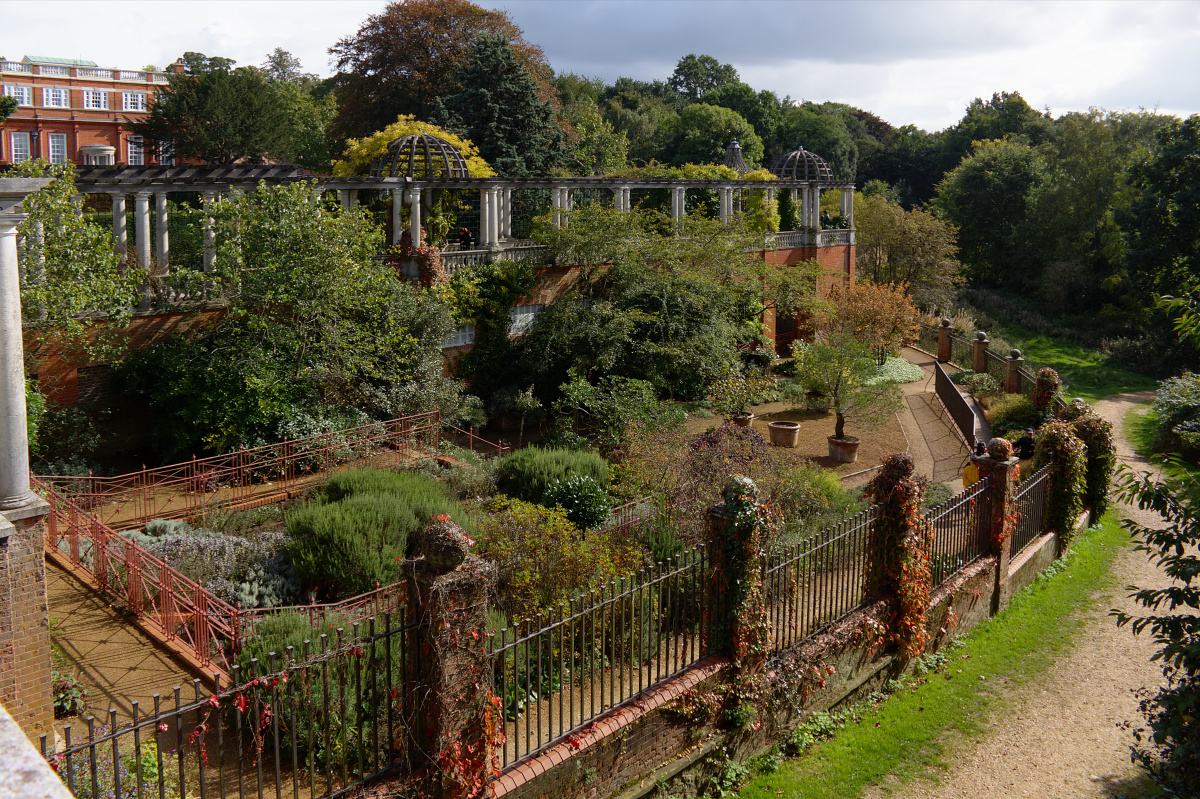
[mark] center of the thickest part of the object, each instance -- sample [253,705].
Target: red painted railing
[258,476]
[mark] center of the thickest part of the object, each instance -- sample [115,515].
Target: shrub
[983,385]
[1058,446]
[1177,406]
[464,479]
[70,697]
[585,501]
[1010,413]
[1045,389]
[67,436]
[544,559]
[566,439]
[936,494]
[809,498]
[1097,433]
[529,472]
[897,370]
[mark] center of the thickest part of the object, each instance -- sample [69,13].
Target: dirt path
[1060,738]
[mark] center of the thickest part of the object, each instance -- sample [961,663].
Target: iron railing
[962,352]
[960,532]
[1030,500]
[955,403]
[258,476]
[997,367]
[317,723]
[556,674]
[927,339]
[817,582]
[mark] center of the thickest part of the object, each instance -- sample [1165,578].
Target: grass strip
[1141,431]
[905,736]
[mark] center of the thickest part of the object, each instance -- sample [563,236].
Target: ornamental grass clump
[528,473]
[1058,446]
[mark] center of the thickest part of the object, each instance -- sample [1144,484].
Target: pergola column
[485,213]
[506,213]
[678,202]
[414,216]
[397,215]
[494,214]
[119,227]
[726,204]
[210,237]
[141,226]
[347,197]
[162,250]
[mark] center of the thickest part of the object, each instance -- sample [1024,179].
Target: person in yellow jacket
[970,475]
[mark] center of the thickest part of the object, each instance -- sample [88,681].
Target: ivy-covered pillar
[999,469]
[1066,455]
[944,348]
[737,623]
[458,724]
[979,352]
[899,567]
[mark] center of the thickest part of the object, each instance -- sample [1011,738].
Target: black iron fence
[819,581]
[315,722]
[1030,500]
[955,403]
[960,532]
[555,674]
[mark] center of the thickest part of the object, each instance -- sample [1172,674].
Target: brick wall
[24,623]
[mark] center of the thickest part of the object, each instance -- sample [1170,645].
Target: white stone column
[397,215]
[726,204]
[141,225]
[14,435]
[555,204]
[210,237]
[485,220]
[346,196]
[506,213]
[119,225]
[494,216]
[678,202]
[806,208]
[162,250]
[414,216]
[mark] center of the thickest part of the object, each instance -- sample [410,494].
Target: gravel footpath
[1060,738]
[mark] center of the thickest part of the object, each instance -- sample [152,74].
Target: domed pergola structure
[800,164]
[421,155]
[734,159]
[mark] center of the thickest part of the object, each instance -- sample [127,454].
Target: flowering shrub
[1045,389]
[1058,446]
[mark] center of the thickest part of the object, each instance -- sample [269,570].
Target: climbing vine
[1004,510]
[1059,447]
[1096,433]
[1045,389]
[900,560]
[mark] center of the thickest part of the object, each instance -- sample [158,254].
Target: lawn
[906,735]
[1141,430]
[1087,373]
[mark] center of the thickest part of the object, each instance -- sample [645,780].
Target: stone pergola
[495,199]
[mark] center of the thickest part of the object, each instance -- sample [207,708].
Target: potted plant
[734,393]
[845,369]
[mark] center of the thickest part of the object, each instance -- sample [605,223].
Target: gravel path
[1060,737]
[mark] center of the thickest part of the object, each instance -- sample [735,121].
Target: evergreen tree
[499,110]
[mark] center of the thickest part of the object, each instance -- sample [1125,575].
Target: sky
[914,62]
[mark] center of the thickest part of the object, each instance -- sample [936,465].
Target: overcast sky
[909,61]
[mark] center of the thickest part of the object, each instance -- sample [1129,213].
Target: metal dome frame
[734,159]
[421,155]
[800,164]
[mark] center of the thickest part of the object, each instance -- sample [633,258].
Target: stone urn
[444,545]
[784,434]
[742,418]
[844,450]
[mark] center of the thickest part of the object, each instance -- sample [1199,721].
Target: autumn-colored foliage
[880,316]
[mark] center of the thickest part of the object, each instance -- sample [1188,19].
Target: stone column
[397,215]
[726,203]
[1012,375]
[24,621]
[979,352]
[449,591]
[485,222]
[494,216]
[678,202]
[162,250]
[141,226]
[119,227]
[506,213]
[210,238]
[999,469]
[847,204]
[346,197]
[944,348]
[414,216]
[806,209]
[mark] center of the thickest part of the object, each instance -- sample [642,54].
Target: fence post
[457,724]
[999,469]
[99,556]
[133,568]
[1012,376]
[979,353]
[943,353]
[734,530]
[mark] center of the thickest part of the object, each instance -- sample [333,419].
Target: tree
[701,133]
[694,75]
[8,105]
[763,110]
[600,150]
[69,271]
[283,67]
[1170,748]
[841,368]
[881,317]
[404,59]
[913,248]
[499,110]
[216,114]
[991,197]
[309,111]
[825,134]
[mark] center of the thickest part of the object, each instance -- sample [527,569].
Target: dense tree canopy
[406,58]
[702,132]
[695,75]
[912,248]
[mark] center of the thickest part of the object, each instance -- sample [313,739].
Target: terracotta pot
[784,434]
[742,419]
[844,450]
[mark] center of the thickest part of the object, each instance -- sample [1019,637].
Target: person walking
[1025,445]
[970,475]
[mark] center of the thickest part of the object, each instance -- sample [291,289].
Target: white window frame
[95,100]
[136,153]
[57,155]
[19,154]
[133,101]
[22,94]
[56,97]
[166,154]
[520,319]
[463,336]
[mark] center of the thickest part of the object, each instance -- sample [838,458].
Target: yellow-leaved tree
[361,153]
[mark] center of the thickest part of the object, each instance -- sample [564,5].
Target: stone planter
[784,434]
[742,419]
[844,450]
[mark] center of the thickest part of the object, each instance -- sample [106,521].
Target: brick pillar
[25,621]
[943,353]
[979,353]
[455,713]
[999,469]
[1012,376]
[736,571]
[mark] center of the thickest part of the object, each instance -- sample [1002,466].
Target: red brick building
[72,110]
